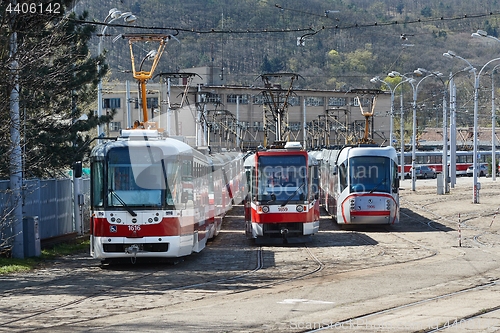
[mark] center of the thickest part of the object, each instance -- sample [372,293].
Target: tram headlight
[353,204]
[118,220]
[388,204]
[265,209]
[113,219]
[299,208]
[150,220]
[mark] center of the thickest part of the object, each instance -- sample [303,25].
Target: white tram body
[360,185]
[156,197]
[282,202]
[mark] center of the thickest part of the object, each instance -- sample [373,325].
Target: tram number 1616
[134,227]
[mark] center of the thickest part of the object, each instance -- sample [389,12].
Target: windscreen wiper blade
[131,212]
[376,186]
[293,194]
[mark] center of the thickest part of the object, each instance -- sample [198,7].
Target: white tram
[157,197]
[360,185]
[282,202]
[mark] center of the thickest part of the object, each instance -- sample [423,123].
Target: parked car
[423,171]
[483,170]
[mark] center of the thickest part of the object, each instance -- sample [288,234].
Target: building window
[244,125]
[111,103]
[257,126]
[211,98]
[293,100]
[315,101]
[295,126]
[258,99]
[233,99]
[364,101]
[337,101]
[152,102]
[115,126]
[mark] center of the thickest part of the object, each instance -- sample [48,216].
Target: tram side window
[314,180]
[171,173]
[97,171]
[251,182]
[395,177]
[343,176]
[187,180]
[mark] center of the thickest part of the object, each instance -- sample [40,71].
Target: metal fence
[52,201]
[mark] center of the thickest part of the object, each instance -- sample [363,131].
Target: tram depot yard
[438,268]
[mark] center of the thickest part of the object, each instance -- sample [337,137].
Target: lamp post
[113,15]
[484,34]
[477,75]
[493,128]
[392,90]
[444,167]
[414,84]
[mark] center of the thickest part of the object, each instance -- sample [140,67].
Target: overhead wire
[308,30]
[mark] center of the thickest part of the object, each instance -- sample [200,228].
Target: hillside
[344,43]
[340,49]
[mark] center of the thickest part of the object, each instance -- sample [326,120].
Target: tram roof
[169,146]
[370,151]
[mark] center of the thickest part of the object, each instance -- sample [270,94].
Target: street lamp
[421,71]
[113,15]
[392,90]
[477,75]
[493,128]
[484,34]
[414,84]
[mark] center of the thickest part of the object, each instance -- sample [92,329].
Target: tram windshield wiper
[131,212]
[376,186]
[291,196]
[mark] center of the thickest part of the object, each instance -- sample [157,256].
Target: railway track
[186,282]
[76,294]
[389,319]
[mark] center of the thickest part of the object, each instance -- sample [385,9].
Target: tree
[57,80]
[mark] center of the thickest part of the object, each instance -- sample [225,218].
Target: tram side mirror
[396,186]
[335,169]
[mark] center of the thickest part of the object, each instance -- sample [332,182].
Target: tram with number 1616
[282,202]
[157,197]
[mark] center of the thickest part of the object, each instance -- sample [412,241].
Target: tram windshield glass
[282,178]
[371,174]
[137,177]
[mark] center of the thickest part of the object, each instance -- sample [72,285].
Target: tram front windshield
[282,178]
[371,174]
[139,177]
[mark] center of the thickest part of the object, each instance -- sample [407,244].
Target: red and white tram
[282,202]
[434,160]
[156,197]
[360,185]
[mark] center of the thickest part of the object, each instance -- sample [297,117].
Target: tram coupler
[133,249]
